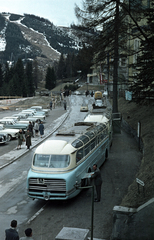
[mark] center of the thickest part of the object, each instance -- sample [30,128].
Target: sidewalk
[13,155]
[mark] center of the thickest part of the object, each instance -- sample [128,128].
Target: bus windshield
[51,161]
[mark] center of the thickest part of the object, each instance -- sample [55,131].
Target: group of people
[12,233]
[30,133]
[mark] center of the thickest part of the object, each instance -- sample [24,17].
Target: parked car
[11,119]
[17,118]
[39,109]
[28,112]
[20,115]
[34,118]
[12,133]
[11,124]
[40,115]
[4,138]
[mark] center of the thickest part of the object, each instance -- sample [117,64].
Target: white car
[28,112]
[98,103]
[20,115]
[37,117]
[13,118]
[12,133]
[39,109]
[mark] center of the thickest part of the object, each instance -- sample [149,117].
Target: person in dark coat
[97,181]
[30,127]
[41,129]
[28,233]
[50,105]
[65,104]
[20,139]
[11,233]
[28,135]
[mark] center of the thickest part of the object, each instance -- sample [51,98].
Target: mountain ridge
[31,37]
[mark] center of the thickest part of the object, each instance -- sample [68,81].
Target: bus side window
[92,144]
[87,149]
[102,136]
[79,155]
[98,139]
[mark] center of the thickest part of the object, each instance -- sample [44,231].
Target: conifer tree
[14,86]
[50,80]
[35,73]
[19,72]
[1,79]
[61,71]
[143,86]
[29,77]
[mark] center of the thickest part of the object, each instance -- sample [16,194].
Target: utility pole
[116,58]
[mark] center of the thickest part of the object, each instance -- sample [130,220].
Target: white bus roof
[96,118]
[55,147]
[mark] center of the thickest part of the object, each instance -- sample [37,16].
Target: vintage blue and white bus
[67,158]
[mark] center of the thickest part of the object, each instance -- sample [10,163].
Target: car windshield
[51,161]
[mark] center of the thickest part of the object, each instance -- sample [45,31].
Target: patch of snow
[2,38]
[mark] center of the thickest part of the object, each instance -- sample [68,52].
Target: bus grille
[47,185]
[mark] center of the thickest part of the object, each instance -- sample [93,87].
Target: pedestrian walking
[20,139]
[30,127]
[28,233]
[28,135]
[11,233]
[36,128]
[50,105]
[97,181]
[41,129]
[65,104]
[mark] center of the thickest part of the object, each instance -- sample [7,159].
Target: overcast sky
[59,12]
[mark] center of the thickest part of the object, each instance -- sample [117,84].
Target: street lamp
[92,204]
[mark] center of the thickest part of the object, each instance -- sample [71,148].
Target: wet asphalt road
[117,173]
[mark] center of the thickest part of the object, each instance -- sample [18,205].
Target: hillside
[133,113]
[31,37]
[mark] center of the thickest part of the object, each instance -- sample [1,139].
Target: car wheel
[9,137]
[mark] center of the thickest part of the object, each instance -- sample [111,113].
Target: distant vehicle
[28,112]
[84,108]
[39,109]
[4,138]
[98,95]
[12,133]
[105,93]
[77,93]
[13,117]
[34,118]
[11,124]
[43,114]
[98,103]
[20,115]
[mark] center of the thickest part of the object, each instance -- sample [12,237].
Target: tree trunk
[116,58]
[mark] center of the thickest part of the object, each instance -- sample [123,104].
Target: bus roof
[55,147]
[96,118]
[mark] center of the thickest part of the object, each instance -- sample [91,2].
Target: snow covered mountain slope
[34,37]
